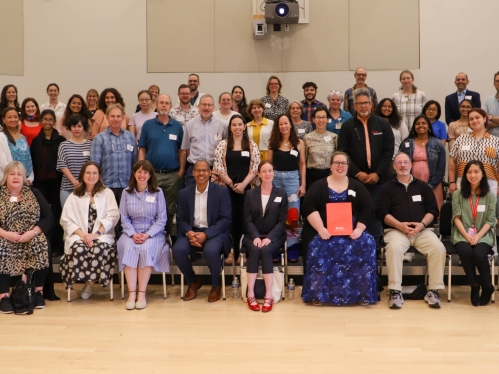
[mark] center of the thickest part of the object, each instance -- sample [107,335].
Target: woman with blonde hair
[409,100]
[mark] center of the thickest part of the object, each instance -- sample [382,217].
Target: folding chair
[122,283]
[111,291]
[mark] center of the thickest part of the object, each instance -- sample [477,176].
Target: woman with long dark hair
[107,97]
[30,119]
[474,220]
[388,110]
[76,105]
[8,98]
[239,103]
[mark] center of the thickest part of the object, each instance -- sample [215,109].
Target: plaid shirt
[348,100]
[309,109]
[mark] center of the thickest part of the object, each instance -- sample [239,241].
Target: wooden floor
[173,336]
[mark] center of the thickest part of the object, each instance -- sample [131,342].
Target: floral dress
[89,264]
[341,271]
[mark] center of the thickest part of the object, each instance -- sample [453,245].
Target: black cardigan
[46,219]
[317,197]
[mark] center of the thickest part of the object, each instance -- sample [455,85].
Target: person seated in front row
[265,211]
[88,219]
[143,243]
[341,269]
[407,206]
[474,218]
[204,216]
[25,217]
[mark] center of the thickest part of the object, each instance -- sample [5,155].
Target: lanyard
[474,208]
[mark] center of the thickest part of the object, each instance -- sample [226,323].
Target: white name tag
[470,129]
[301,131]
[352,193]
[278,199]
[407,144]
[268,106]
[13,199]
[481,208]
[86,153]
[129,147]
[465,148]
[294,152]
[338,126]
[245,153]
[404,99]
[468,97]
[172,137]
[416,198]
[327,138]
[151,199]
[217,136]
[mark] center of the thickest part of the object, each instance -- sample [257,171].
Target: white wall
[102,43]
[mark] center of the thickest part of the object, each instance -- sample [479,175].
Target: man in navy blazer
[204,216]
[453,100]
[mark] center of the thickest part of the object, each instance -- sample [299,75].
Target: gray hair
[12,165]
[361,92]
[115,106]
[337,93]
[302,108]
[163,94]
[206,95]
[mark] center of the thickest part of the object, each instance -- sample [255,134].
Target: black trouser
[314,175]
[473,258]
[50,189]
[40,276]
[264,254]
[118,228]
[238,223]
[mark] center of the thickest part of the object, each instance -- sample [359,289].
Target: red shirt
[30,132]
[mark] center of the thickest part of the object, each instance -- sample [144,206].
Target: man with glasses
[407,206]
[184,111]
[491,107]
[360,76]
[368,140]
[310,102]
[203,219]
[453,100]
[194,94]
[115,150]
[159,143]
[201,137]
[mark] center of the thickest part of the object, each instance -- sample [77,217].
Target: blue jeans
[289,181]
[64,196]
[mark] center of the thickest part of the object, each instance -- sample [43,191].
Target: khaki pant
[427,243]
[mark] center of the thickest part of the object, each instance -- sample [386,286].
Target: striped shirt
[72,156]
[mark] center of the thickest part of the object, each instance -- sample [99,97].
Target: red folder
[339,218]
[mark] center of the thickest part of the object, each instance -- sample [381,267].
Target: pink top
[420,167]
[138,120]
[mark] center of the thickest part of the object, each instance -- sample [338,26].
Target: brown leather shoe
[192,291]
[214,294]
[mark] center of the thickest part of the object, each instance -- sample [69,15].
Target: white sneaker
[409,256]
[433,298]
[87,290]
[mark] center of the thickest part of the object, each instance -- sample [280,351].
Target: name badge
[468,97]
[129,147]
[151,199]
[327,138]
[278,199]
[416,198]
[407,144]
[301,131]
[465,148]
[377,133]
[481,208]
[86,153]
[13,199]
[172,137]
[294,152]
[329,120]
[338,126]
[245,153]
[404,100]
[352,193]
[470,129]
[218,136]
[268,106]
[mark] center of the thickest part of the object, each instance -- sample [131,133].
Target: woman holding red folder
[340,270]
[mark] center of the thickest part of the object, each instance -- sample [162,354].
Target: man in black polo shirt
[406,206]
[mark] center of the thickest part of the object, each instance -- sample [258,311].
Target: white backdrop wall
[102,43]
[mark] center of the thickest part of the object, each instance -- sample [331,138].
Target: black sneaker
[39,300]
[6,305]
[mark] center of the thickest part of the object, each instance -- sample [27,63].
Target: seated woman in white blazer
[88,218]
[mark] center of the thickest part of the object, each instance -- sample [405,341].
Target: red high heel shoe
[267,300]
[251,305]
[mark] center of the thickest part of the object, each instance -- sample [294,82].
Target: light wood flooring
[173,336]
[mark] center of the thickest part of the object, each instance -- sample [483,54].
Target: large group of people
[103,188]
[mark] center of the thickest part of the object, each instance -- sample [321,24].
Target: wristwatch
[489,117]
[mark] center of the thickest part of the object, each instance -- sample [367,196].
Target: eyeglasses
[144,100]
[206,105]
[400,163]
[361,75]
[193,81]
[184,94]
[432,110]
[340,163]
[364,103]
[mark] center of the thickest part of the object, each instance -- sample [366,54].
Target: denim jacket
[435,153]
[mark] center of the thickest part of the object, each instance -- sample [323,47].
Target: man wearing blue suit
[453,100]
[204,216]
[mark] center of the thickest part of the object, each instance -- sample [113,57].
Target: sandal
[130,305]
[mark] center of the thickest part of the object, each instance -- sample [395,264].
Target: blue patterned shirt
[20,152]
[115,155]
